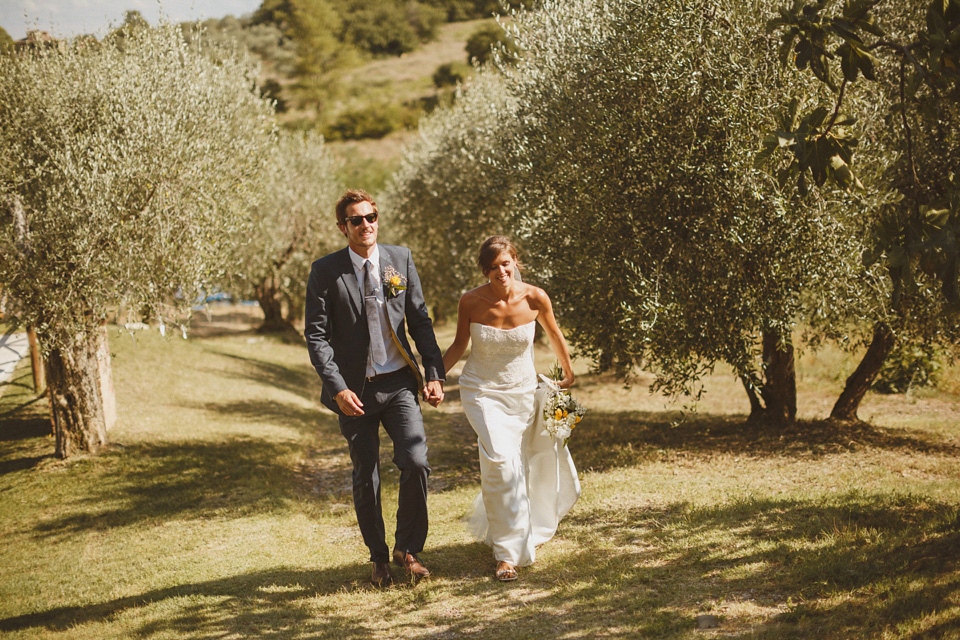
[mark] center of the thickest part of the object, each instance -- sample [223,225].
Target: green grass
[222,510]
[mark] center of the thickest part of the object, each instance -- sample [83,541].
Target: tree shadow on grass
[157,481]
[300,380]
[851,566]
[24,423]
[624,438]
[270,603]
[453,450]
[305,420]
[845,566]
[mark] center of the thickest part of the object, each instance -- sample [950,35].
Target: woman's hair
[493,247]
[349,197]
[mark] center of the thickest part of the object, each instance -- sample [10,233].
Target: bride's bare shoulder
[473,297]
[474,293]
[536,296]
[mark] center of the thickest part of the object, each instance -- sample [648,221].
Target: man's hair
[493,247]
[349,197]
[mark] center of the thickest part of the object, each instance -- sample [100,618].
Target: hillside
[402,83]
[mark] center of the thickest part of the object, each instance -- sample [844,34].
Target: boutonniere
[394,281]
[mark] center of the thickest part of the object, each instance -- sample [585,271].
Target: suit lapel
[394,310]
[350,282]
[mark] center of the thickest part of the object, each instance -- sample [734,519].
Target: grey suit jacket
[336,323]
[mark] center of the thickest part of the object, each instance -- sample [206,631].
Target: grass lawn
[222,509]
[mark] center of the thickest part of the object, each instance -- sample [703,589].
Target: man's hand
[433,392]
[349,403]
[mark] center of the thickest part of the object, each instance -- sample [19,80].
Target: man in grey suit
[359,301]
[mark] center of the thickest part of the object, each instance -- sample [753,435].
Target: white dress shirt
[395,360]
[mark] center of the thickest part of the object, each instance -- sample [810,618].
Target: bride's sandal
[506,572]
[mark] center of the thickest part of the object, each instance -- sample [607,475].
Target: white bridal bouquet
[561,411]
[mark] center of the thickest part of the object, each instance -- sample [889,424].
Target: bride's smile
[501,271]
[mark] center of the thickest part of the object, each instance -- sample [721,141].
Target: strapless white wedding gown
[527,479]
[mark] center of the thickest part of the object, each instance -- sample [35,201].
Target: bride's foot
[506,572]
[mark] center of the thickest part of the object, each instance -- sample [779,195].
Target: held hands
[349,403]
[433,392]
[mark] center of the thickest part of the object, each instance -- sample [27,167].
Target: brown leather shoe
[381,575]
[411,563]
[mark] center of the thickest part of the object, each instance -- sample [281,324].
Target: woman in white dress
[528,481]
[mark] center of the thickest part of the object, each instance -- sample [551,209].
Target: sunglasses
[370,218]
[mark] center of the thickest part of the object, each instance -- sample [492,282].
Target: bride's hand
[566,383]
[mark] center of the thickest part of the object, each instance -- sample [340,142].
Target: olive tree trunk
[82,403]
[866,372]
[774,400]
[779,389]
[271,303]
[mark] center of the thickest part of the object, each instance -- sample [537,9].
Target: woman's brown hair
[491,248]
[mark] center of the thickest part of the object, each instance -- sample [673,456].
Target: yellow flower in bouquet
[561,411]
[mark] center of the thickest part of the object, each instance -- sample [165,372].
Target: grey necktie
[377,350]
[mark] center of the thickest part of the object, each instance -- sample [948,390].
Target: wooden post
[107,393]
[36,363]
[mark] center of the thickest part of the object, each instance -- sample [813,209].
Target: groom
[358,301]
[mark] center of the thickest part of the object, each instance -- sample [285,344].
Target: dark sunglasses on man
[370,218]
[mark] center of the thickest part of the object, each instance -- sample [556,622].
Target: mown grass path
[222,510]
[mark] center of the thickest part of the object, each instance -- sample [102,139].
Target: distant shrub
[908,366]
[373,121]
[380,28]
[424,20]
[460,10]
[451,74]
[484,41]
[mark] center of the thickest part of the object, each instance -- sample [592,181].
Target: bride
[528,481]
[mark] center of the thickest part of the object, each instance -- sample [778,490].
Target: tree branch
[904,52]
[866,9]
[836,110]
[909,137]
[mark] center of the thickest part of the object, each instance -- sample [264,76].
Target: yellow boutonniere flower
[395,282]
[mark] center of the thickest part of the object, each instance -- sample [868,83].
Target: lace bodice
[500,359]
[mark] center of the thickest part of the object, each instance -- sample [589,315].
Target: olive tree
[642,198]
[902,156]
[448,193]
[292,224]
[626,166]
[124,170]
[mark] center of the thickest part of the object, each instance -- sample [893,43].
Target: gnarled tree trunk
[271,302]
[774,400]
[779,389]
[866,372]
[78,381]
